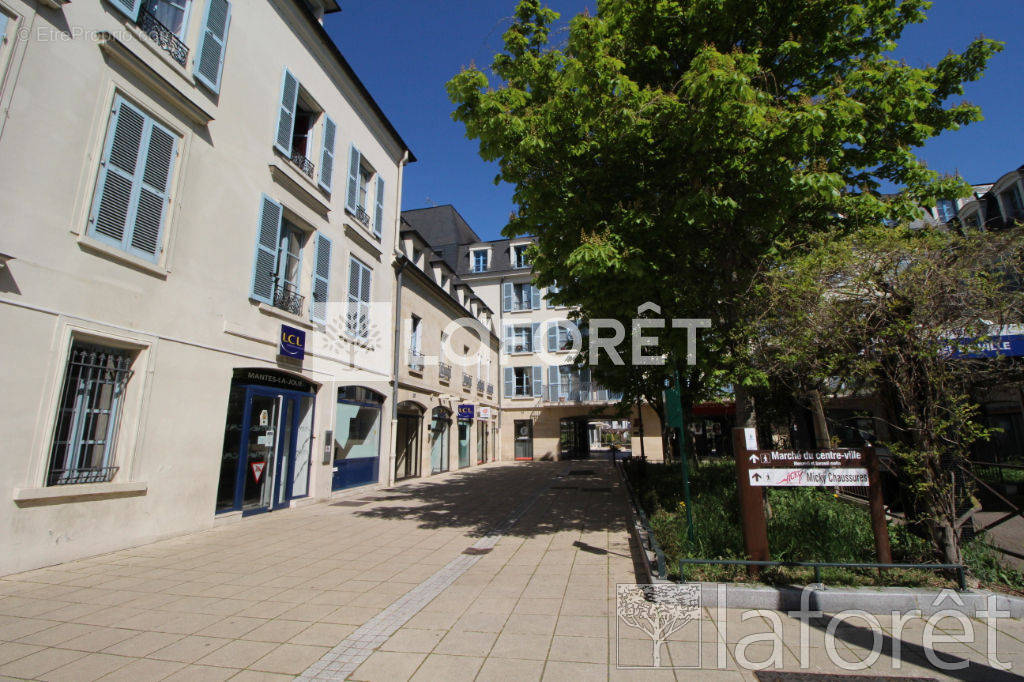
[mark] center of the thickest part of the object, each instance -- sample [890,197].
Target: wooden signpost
[837,467]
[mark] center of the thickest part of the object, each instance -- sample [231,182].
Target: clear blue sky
[405,51]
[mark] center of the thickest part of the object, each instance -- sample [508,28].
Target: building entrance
[574,438]
[267,437]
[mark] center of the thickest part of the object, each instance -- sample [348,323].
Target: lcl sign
[292,343]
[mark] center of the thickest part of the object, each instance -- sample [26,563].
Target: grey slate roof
[453,239]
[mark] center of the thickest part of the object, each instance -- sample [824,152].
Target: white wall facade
[186,316]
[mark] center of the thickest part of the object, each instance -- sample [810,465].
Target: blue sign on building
[465,411]
[293,343]
[1009,345]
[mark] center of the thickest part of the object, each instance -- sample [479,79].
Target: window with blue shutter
[352,194]
[507,292]
[128,7]
[534,297]
[378,211]
[535,340]
[357,317]
[327,154]
[538,381]
[268,237]
[213,42]
[286,113]
[554,383]
[133,189]
[510,382]
[552,337]
[4,21]
[321,280]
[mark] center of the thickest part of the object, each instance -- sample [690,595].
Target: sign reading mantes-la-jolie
[837,467]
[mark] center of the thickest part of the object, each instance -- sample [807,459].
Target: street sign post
[835,467]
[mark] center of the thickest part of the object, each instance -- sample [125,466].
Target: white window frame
[361,302]
[486,253]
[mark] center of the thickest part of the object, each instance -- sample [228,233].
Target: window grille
[88,415]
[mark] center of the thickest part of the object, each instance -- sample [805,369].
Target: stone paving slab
[387,591]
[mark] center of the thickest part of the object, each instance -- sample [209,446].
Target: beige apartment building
[446,405]
[197,237]
[549,409]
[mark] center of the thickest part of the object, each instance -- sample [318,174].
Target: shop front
[267,439]
[407,440]
[440,426]
[356,437]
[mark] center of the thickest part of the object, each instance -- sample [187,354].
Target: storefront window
[356,437]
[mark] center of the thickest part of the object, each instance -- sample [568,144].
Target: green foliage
[667,149]
[806,524]
[892,310]
[986,566]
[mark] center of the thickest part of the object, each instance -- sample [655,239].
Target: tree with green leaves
[902,314]
[667,150]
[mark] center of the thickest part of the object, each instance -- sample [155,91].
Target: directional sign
[808,476]
[837,457]
[257,470]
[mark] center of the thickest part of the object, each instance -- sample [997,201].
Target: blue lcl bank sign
[292,343]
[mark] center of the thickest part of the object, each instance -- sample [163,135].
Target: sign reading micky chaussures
[292,343]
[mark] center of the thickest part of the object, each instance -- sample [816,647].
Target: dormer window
[480,260]
[519,259]
[946,210]
[1012,203]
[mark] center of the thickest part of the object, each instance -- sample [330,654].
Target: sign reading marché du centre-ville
[837,457]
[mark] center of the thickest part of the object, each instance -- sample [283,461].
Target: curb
[876,600]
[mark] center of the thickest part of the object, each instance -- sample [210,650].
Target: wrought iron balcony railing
[490,389]
[480,386]
[304,164]
[416,361]
[579,392]
[362,215]
[467,381]
[287,298]
[444,372]
[162,36]
[82,475]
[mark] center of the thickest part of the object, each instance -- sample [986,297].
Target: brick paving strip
[342,660]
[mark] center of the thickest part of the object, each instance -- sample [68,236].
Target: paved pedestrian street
[504,572]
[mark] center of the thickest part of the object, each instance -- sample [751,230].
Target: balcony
[415,361]
[490,389]
[579,392]
[362,216]
[444,372]
[160,34]
[287,298]
[304,164]
[481,385]
[521,348]
[467,382]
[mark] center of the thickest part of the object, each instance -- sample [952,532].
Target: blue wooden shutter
[552,337]
[128,7]
[353,179]
[352,314]
[510,382]
[365,281]
[507,292]
[268,237]
[535,337]
[209,63]
[152,191]
[3,27]
[538,381]
[286,113]
[132,192]
[327,154]
[321,279]
[378,211]
[112,205]
[534,297]
[509,338]
[554,381]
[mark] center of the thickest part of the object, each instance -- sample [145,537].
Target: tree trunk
[744,407]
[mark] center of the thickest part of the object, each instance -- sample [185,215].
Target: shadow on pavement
[481,498]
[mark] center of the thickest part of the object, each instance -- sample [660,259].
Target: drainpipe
[397,366]
[398,317]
